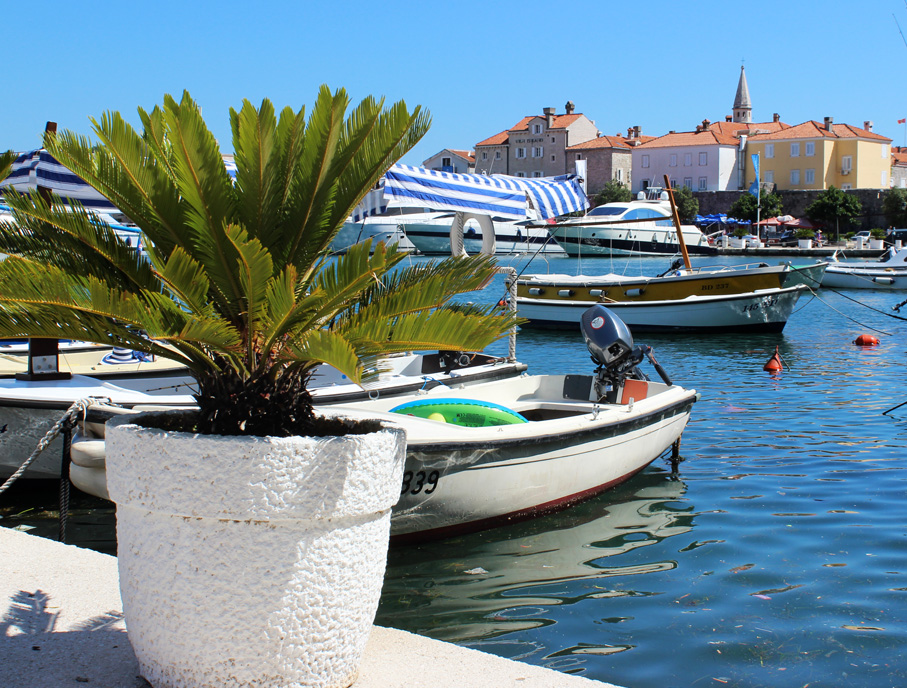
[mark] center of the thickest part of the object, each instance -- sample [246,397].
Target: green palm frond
[6,163]
[238,283]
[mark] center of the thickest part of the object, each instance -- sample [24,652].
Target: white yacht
[641,226]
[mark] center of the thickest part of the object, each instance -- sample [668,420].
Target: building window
[688,182]
[445,162]
[703,183]
[673,162]
[536,128]
[687,159]
[645,161]
[846,187]
[553,158]
[846,164]
[795,150]
[520,174]
[579,156]
[769,150]
[537,174]
[673,183]
[810,176]
[552,139]
[537,152]
[769,176]
[484,155]
[795,177]
[884,179]
[497,155]
[810,149]
[884,150]
[645,184]
[620,174]
[703,159]
[520,153]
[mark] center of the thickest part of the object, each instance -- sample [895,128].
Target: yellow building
[814,155]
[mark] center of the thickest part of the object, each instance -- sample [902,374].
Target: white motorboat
[762,310]
[387,227]
[30,408]
[430,234]
[500,451]
[642,226]
[889,272]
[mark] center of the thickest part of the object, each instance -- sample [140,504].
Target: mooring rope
[80,406]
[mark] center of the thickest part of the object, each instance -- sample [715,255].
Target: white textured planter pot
[876,244]
[805,243]
[738,242]
[251,561]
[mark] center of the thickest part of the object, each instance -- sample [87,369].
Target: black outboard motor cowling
[607,337]
[609,341]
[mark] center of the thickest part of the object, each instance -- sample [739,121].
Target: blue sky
[478,67]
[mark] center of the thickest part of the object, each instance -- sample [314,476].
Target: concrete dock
[61,625]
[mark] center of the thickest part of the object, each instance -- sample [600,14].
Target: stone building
[536,146]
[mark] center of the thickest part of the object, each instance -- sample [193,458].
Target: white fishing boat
[495,452]
[676,283]
[762,310]
[889,272]
[30,408]
[642,226]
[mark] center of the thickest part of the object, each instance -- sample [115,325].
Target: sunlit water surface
[775,557]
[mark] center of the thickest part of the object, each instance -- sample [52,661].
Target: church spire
[743,108]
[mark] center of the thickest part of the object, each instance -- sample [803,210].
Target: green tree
[744,208]
[894,207]
[613,192]
[834,208]
[687,206]
[238,284]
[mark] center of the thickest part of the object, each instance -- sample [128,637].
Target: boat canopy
[38,168]
[513,198]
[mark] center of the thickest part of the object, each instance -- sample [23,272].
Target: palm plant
[238,283]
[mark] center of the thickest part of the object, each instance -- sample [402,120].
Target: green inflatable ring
[470,413]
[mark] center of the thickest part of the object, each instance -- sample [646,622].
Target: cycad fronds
[237,282]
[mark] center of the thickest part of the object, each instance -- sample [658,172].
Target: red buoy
[773,365]
[866,340]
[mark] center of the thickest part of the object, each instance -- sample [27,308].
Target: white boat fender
[458,230]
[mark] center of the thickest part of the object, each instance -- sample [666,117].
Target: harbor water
[776,555]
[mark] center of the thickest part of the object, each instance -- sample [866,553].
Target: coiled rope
[78,407]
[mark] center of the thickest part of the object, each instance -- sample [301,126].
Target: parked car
[866,234]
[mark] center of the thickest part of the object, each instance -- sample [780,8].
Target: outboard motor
[609,341]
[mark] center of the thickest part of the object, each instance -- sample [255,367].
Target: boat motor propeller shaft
[609,341]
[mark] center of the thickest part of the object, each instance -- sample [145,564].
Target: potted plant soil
[252,532]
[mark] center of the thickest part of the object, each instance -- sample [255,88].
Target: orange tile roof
[557,122]
[898,155]
[813,130]
[496,140]
[601,142]
[468,155]
[692,138]
[735,128]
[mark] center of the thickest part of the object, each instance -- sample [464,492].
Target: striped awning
[38,168]
[497,195]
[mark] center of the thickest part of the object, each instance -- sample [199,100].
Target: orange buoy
[773,365]
[866,340]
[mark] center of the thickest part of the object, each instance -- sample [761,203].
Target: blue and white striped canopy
[374,203]
[497,195]
[39,168]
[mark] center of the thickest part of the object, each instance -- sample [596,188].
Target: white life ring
[458,228]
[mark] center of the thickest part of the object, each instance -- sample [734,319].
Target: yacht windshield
[608,210]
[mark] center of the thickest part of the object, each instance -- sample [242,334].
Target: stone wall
[795,203]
